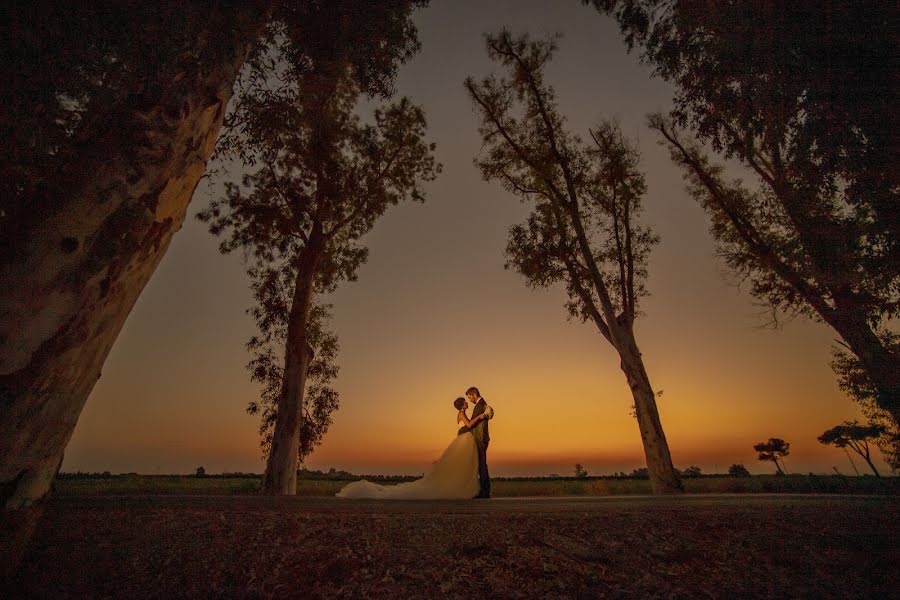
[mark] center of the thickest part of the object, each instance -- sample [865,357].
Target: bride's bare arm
[468,422]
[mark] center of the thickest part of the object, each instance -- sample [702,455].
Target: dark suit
[482,435]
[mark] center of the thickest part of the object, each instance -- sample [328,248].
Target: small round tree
[738,470]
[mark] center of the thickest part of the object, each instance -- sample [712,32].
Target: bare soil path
[694,546]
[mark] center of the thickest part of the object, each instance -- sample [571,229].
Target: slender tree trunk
[281,466]
[663,477]
[867,457]
[872,466]
[71,281]
[783,466]
[852,464]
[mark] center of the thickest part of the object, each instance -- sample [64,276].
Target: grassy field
[181,484]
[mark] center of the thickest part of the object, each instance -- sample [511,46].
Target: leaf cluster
[850,432]
[772,450]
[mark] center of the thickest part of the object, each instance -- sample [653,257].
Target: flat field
[796,484]
[243,546]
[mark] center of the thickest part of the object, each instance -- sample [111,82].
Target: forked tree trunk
[663,477]
[280,478]
[72,281]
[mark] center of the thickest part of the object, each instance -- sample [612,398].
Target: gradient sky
[434,312]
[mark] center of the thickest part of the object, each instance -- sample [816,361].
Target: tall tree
[109,115]
[853,435]
[321,180]
[583,229]
[772,450]
[804,95]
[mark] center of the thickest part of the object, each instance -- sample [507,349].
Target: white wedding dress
[453,476]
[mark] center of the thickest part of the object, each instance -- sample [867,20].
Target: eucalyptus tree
[320,177]
[110,112]
[584,229]
[802,95]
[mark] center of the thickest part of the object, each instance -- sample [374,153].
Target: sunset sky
[434,312]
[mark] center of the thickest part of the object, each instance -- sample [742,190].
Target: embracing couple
[460,472]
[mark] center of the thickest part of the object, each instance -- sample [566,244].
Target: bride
[454,475]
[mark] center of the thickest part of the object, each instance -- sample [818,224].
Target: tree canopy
[856,436]
[802,95]
[318,178]
[773,450]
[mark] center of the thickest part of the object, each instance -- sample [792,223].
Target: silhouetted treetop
[856,436]
[376,38]
[817,78]
[804,96]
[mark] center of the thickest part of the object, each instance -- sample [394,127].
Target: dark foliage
[804,95]
[319,178]
[853,435]
[772,450]
[691,472]
[68,68]
[854,381]
[738,470]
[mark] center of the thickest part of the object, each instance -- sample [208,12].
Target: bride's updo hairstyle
[459,403]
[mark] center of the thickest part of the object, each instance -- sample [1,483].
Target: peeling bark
[71,280]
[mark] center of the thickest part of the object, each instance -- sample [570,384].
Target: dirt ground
[709,546]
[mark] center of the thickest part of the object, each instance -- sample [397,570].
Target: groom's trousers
[484,479]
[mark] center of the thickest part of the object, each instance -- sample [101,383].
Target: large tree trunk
[881,365]
[663,477]
[72,279]
[280,478]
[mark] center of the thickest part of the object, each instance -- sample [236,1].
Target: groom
[482,439]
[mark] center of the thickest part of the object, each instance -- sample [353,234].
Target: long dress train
[453,476]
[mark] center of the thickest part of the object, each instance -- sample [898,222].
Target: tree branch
[745,229]
[574,211]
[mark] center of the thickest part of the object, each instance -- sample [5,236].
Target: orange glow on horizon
[434,311]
